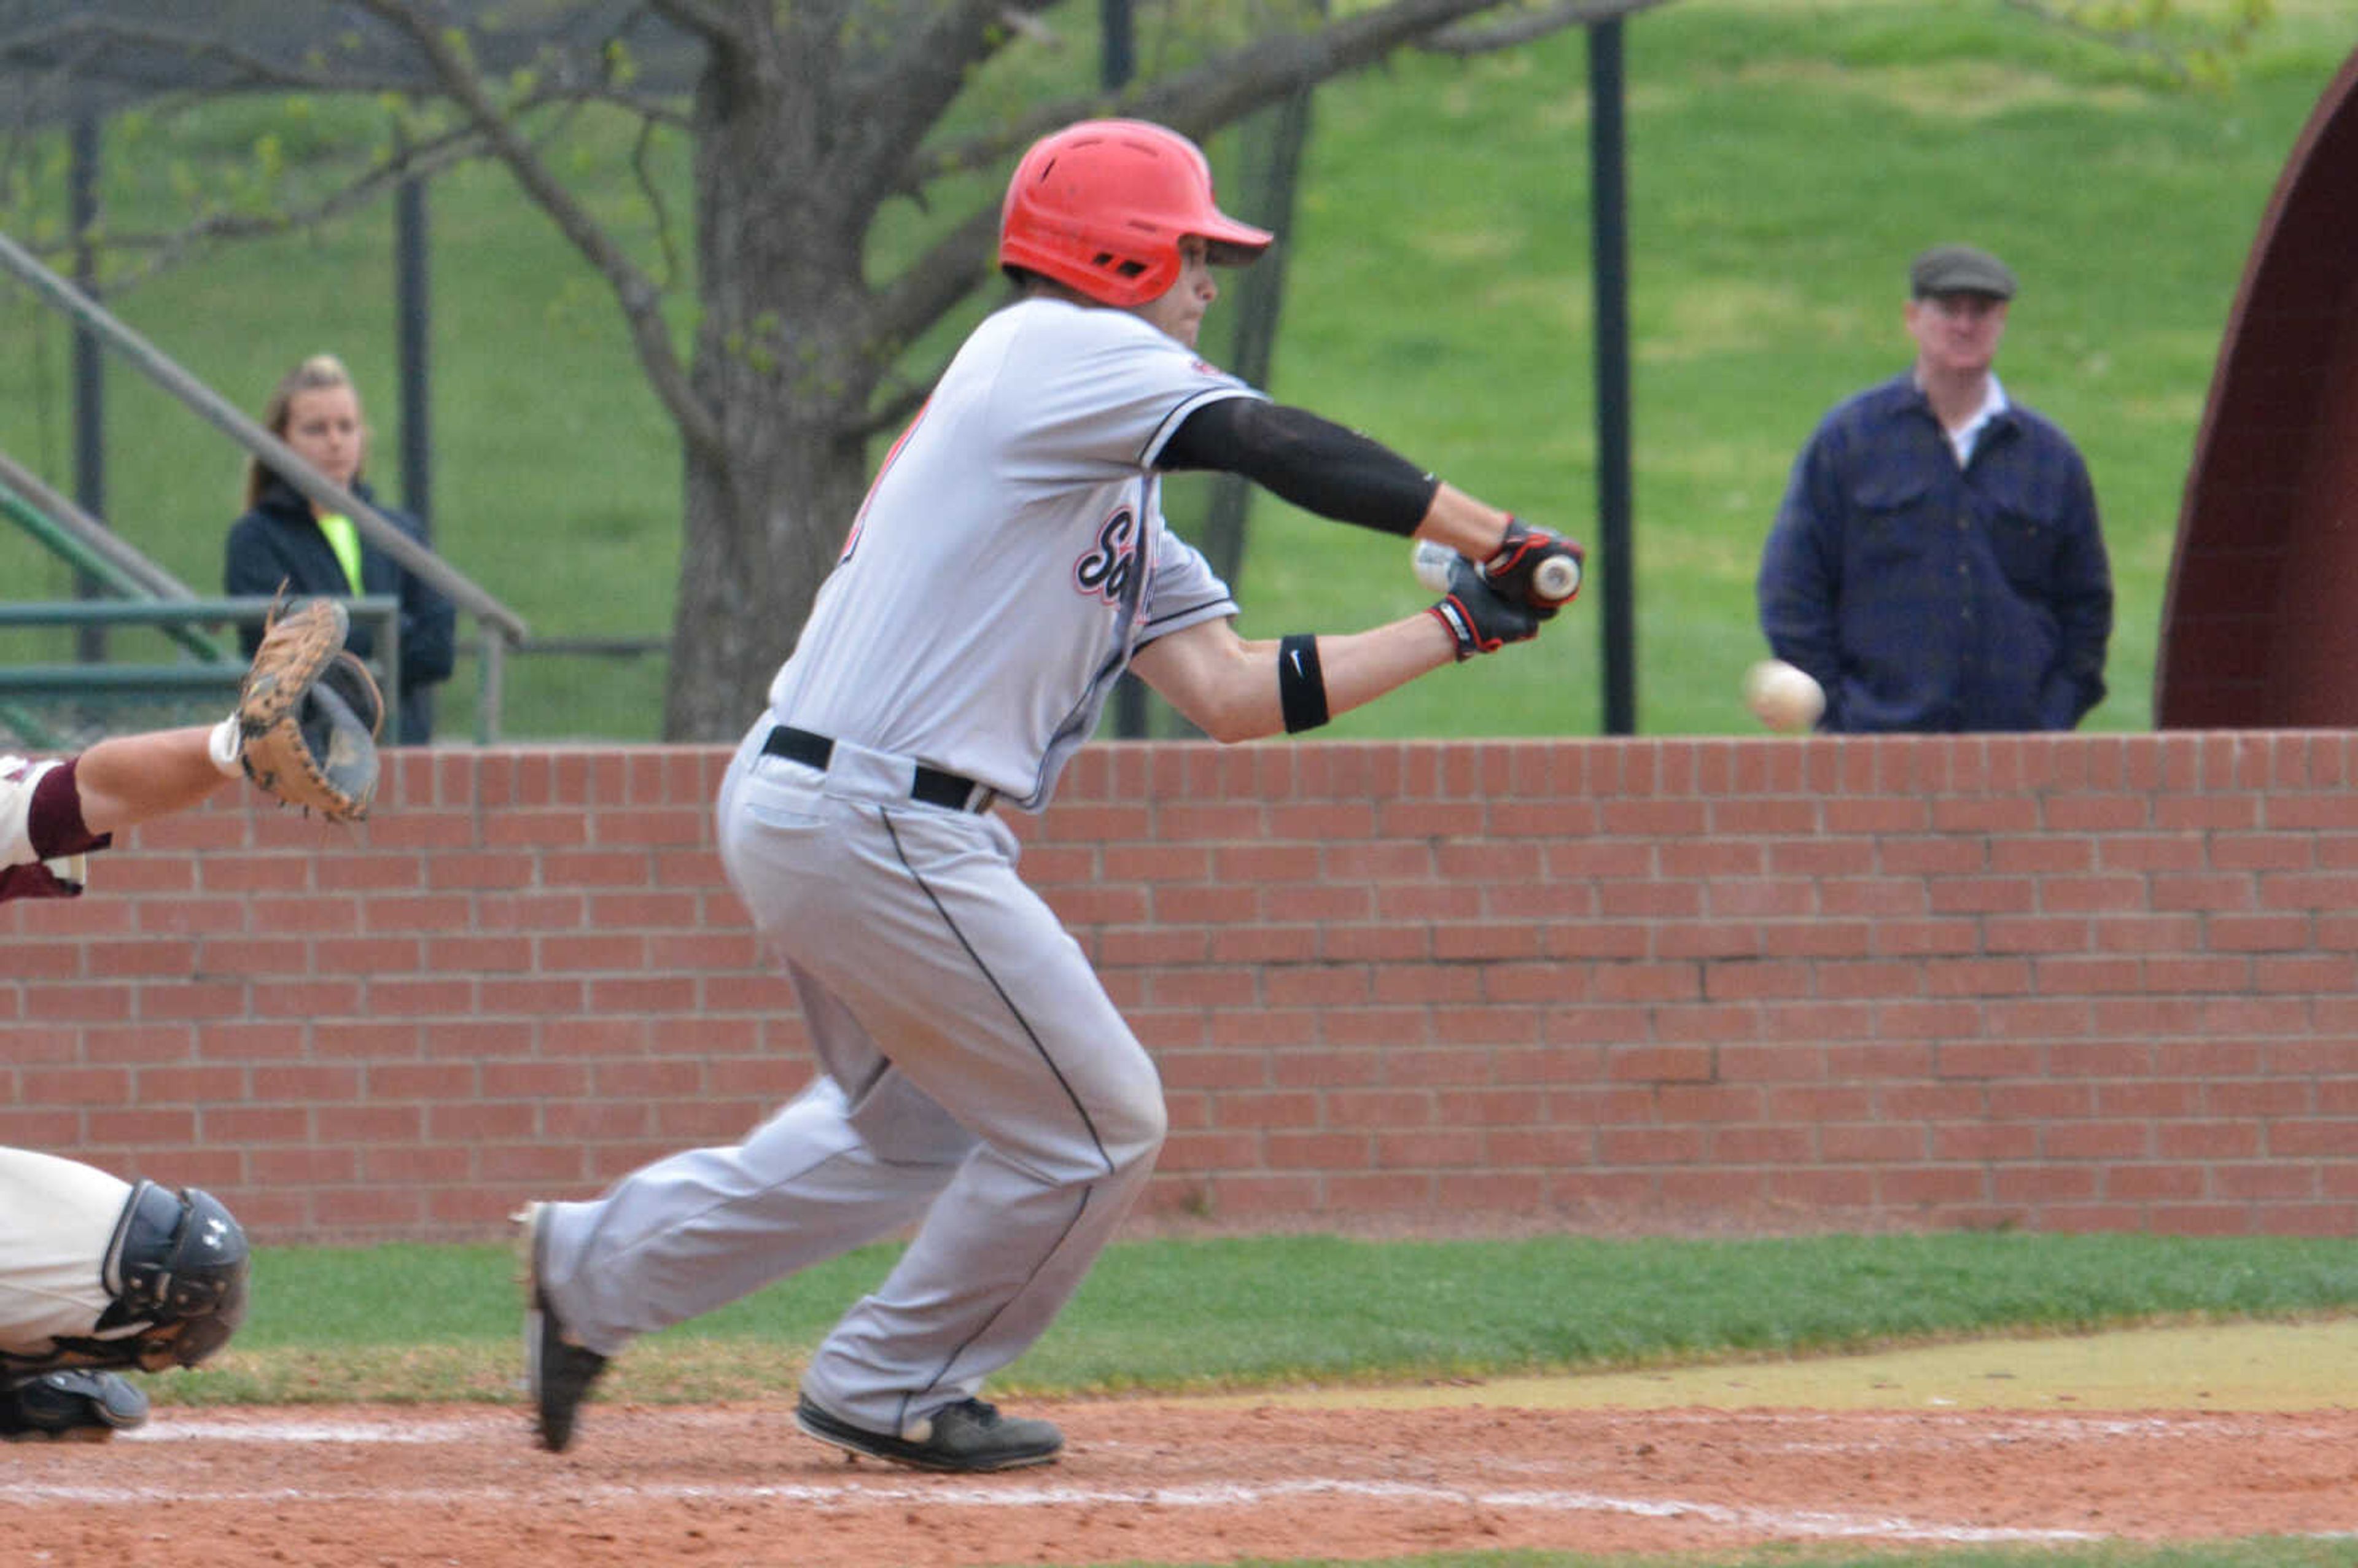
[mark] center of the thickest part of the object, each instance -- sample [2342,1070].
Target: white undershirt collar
[1962,439]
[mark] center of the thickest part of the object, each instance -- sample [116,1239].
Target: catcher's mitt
[308,715]
[297,641]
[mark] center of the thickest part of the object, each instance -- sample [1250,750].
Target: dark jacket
[280,542]
[1926,597]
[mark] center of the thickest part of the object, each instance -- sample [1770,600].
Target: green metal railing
[72,550]
[219,669]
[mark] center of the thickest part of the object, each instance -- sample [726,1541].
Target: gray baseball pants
[974,1082]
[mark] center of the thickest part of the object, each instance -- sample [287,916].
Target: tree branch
[932,286]
[169,250]
[1214,94]
[903,91]
[709,22]
[1470,39]
[87,34]
[899,408]
[1268,71]
[640,298]
[1259,73]
[2128,40]
[651,188]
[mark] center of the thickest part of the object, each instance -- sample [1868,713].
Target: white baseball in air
[1783,697]
[1433,562]
[1557,578]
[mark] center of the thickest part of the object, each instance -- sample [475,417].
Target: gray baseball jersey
[1012,553]
[975,1081]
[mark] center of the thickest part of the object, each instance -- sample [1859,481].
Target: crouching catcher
[99,1276]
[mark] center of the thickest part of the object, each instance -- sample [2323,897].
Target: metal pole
[411,329]
[1117,59]
[1260,294]
[1117,54]
[1610,202]
[413,325]
[89,368]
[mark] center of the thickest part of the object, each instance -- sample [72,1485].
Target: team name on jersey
[1105,571]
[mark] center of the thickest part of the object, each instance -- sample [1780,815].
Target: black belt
[931,785]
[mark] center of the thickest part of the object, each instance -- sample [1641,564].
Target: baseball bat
[1554,580]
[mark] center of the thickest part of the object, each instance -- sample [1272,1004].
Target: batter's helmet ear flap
[1101,207]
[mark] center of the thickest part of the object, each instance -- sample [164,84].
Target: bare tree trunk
[784,364]
[749,568]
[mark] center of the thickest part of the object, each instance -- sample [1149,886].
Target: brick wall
[2068,982]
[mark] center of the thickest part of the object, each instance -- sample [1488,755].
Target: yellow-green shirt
[345,540]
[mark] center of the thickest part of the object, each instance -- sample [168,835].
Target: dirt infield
[1365,1476]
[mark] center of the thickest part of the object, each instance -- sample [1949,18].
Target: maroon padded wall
[2260,623]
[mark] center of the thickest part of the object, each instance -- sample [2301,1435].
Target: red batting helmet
[1102,205]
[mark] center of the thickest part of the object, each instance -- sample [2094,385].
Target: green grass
[1785,159]
[416,1322]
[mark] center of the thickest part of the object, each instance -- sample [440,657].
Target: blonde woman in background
[285,540]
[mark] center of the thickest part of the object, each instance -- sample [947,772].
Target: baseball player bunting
[1009,560]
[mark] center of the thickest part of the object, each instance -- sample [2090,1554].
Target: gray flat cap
[1959,269]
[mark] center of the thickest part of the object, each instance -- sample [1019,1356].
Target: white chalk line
[1007,1492]
[1813,1524]
[177,1428]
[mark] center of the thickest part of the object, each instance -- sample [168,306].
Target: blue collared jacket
[1927,597]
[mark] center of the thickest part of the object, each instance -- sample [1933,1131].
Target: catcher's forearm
[125,780]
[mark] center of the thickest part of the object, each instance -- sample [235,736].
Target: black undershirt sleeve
[1314,463]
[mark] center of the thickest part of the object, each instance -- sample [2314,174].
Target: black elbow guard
[1301,684]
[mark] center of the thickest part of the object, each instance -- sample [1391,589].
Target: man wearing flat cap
[1937,563]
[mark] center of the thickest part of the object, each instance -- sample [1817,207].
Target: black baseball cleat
[558,1372]
[968,1436]
[73,1406]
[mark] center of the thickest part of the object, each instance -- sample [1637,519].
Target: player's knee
[1134,1136]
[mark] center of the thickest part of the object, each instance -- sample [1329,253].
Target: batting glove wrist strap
[1479,619]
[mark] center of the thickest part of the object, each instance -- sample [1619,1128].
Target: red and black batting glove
[1536,568]
[1481,619]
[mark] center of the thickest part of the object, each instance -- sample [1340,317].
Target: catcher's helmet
[1101,206]
[178,1267]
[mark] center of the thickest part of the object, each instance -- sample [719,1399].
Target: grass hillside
[1786,159]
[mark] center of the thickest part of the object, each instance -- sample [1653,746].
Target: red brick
[1872,1145]
[1650,1146]
[1319,1151]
